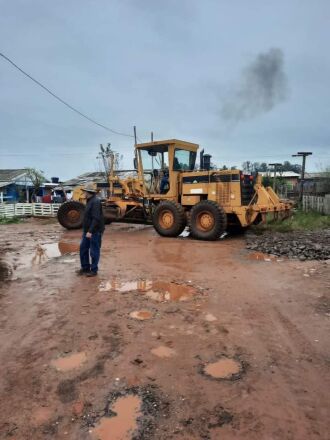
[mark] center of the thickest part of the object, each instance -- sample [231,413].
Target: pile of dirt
[302,245]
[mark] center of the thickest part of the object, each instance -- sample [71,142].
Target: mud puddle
[225,368]
[163,352]
[55,250]
[123,424]
[133,412]
[259,256]
[156,290]
[41,254]
[70,362]
[210,318]
[141,315]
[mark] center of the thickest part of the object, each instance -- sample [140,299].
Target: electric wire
[62,101]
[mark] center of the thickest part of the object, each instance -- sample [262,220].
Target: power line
[64,102]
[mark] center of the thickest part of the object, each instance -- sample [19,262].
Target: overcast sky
[247,80]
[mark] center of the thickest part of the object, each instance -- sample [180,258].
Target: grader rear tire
[70,215]
[207,221]
[169,219]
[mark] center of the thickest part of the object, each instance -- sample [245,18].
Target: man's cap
[89,187]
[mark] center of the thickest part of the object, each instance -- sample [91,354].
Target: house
[290,178]
[317,183]
[15,186]
[97,177]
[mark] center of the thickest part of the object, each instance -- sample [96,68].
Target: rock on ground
[302,245]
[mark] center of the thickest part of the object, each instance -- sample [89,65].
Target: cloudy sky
[247,80]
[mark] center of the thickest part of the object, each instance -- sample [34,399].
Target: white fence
[315,203]
[9,210]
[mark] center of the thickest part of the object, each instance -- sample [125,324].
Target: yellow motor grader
[165,190]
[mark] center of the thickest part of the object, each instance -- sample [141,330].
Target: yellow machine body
[165,189]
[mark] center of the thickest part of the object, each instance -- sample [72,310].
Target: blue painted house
[15,186]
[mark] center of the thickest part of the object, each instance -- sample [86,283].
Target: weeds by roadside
[299,221]
[8,221]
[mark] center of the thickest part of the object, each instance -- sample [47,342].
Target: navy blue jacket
[93,216]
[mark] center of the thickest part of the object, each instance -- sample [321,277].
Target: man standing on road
[93,228]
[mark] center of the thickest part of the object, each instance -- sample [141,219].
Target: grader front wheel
[70,215]
[169,219]
[208,220]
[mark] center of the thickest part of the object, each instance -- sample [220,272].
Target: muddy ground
[175,339]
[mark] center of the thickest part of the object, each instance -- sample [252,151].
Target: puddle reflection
[123,424]
[155,290]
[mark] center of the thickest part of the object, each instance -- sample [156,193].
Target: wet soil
[123,424]
[156,290]
[69,362]
[223,369]
[163,352]
[208,302]
[142,315]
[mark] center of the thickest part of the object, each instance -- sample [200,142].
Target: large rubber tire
[207,220]
[169,219]
[71,214]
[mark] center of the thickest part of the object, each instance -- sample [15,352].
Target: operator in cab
[93,228]
[164,183]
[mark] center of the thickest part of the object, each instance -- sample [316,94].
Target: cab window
[184,160]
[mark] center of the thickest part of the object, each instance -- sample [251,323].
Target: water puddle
[68,247]
[123,424]
[42,253]
[259,256]
[224,368]
[69,362]
[156,290]
[210,318]
[125,286]
[142,315]
[163,352]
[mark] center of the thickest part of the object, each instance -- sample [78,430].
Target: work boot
[91,274]
[82,272]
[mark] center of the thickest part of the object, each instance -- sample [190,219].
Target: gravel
[302,245]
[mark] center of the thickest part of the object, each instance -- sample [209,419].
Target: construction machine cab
[160,163]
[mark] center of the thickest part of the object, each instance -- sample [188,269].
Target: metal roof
[86,177]
[9,175]
[280,174]
[169,142]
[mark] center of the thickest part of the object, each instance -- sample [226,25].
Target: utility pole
[275,165]
[302,154]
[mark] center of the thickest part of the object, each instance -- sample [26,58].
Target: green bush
[298,221]
[8,221]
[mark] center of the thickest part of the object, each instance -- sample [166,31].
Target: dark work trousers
[90,249]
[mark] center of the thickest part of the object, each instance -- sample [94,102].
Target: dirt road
[175,339]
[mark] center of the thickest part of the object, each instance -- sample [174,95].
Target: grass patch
[9,221]
[299,221]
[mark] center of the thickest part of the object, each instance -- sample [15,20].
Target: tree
[288,166]
[37,178]
[263,167]
[247,166]
[251,167]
